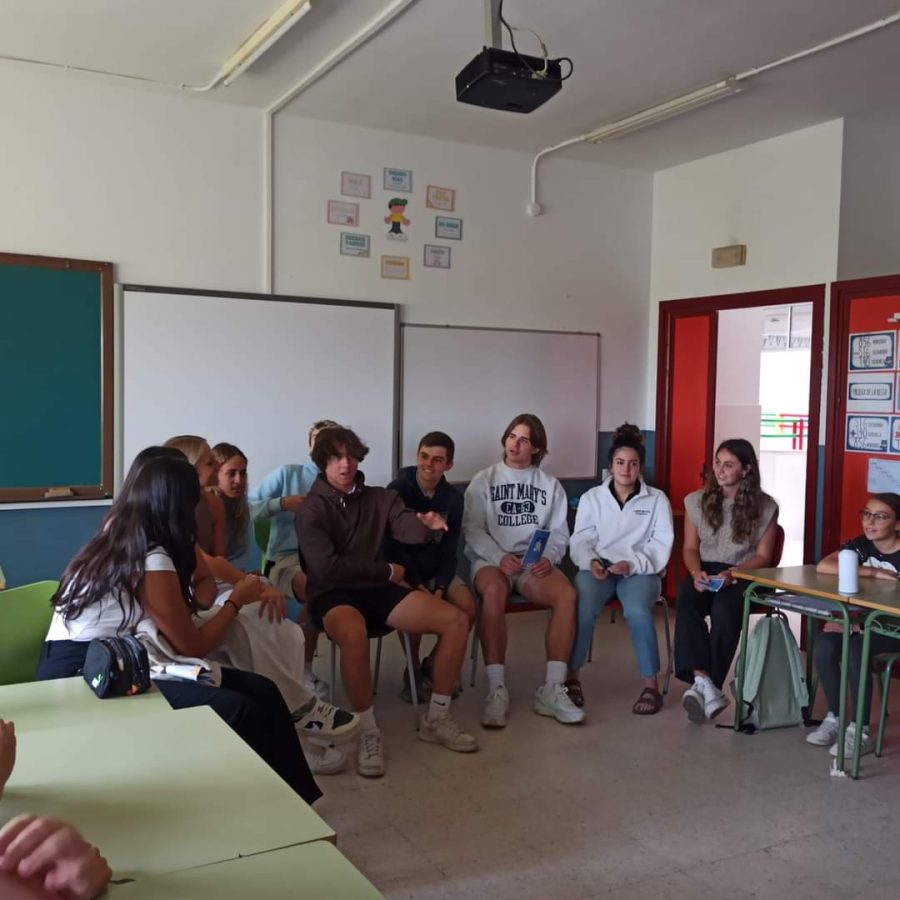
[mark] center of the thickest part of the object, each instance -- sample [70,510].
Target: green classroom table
[160,792]
[875,594]
[39,705]
[316,871]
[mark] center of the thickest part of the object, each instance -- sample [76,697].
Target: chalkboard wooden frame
[52,493]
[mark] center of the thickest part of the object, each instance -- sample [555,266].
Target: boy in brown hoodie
[340,530]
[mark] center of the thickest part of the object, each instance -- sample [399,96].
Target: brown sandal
[573,689]
[649,703]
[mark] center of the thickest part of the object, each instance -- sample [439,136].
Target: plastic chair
[261,532]
[24,618]
[887,660]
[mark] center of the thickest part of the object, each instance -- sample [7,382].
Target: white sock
[307,670]
[495,673]
[439,707]
[556,672]
[367,720]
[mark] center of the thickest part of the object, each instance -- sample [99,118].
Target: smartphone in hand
[715,583]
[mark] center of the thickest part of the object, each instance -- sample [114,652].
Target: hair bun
[628,433]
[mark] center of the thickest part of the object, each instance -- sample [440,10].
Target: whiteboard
[470,382]
[257,372]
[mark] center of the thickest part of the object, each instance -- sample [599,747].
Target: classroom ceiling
[628,54]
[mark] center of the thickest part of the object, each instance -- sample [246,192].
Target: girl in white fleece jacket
[622,541]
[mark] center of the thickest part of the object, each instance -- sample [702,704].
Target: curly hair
[333,441]
[748,501]
[627,435]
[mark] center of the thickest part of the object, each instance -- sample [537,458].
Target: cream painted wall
[583,265]
[167,188]
[780,197]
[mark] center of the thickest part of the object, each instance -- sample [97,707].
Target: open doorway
[727,368]
[762,394]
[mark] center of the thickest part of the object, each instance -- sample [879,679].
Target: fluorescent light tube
[662,111]
[274,28]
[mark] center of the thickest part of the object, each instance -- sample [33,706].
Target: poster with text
[872,350]
[868,434]
[870,392]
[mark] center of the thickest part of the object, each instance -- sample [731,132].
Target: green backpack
[774,689]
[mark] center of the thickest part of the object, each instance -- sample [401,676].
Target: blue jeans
[637,594]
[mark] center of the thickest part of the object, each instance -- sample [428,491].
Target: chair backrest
[261,532]
[24,617]
[778,549]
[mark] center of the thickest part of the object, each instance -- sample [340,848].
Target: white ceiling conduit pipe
[686,102]
[353,43]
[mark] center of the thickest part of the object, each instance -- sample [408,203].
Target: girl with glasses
[878,549]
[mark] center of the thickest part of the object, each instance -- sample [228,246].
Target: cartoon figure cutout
[397,206]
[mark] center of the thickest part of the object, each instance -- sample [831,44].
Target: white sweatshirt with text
[503,508]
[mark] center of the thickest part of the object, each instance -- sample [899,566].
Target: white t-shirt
[104,618]
[503,508]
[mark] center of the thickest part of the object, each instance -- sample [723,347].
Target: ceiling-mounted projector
[501,79]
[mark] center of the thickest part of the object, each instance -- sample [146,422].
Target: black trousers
[827,659]
[696,646]
[249,704]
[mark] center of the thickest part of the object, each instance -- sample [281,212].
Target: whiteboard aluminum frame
[245,295]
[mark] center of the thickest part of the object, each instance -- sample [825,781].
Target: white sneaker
[445,731]
[315,685]
[324,760]
[716,701]
[370,754]
[321,719]
[826,734]
[553,700]
[496,708]
[867,744]
[694,703]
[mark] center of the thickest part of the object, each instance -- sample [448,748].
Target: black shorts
[375,604]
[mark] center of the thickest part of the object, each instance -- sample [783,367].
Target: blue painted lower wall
[37,544]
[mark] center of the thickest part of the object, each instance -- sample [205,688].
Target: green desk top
[159,793]
[315,871]
[68,701]
[874,593]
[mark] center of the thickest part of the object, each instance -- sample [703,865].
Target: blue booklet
[535,547]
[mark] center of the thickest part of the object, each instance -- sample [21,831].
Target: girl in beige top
[730,522]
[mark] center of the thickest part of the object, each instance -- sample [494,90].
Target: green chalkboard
[56,378]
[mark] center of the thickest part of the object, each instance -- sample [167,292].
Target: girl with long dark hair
[730,522]
[137,575]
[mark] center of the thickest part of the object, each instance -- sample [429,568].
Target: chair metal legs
[670,663]
[377,670]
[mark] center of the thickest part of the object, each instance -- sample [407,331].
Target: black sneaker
[321,719]
[423,687]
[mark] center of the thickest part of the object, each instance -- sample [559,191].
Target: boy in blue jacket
[431,566]
[277,498]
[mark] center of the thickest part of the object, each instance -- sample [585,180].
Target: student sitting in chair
[730,522]
[341,529]
[41,857]
[878,549]
[504,505]
[621,543]
[142,574]
[430,566]
[230,485]
[277,498]
[266,642]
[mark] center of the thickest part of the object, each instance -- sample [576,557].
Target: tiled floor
[620,807]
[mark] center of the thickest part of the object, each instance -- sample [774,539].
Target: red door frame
[670,310]
[842,293]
